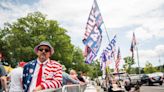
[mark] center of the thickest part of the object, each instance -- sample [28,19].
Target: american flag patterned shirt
[51,78]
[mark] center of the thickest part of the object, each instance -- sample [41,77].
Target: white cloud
[140,33]
[152,56]
[156,52]
[13,11]
[65,10]
[148,31]
[120,13]
[73,15]
[160,50]
[116,13]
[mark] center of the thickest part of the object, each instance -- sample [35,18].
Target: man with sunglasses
[42,73]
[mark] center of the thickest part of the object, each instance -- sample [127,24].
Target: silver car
[150,79]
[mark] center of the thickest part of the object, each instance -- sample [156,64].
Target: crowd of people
[38,74]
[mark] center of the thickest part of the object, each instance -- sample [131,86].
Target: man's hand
[38,88]
[81,83]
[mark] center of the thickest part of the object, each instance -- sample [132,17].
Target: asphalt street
[153,88]
[143,88]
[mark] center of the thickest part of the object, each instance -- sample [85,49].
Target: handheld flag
[93,34]
[108,54]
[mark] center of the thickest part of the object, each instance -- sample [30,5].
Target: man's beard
[43,57]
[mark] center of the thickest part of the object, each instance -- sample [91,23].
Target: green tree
[78,61]
[134,70]
[149,68]
[128,64]
[95,70]
[19,38]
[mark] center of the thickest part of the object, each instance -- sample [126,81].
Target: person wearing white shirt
[15,77]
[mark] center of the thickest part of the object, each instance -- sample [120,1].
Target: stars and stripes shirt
[51,75]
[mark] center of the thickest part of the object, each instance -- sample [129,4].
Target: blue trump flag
[108,53]
[93,34]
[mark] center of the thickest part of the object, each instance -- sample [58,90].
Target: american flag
[133,44]
[90,58]
[89,55]
[117,61]
[93,34]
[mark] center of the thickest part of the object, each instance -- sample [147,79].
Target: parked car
[150,79]
[135,80]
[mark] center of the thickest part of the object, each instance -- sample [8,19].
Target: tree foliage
[19,39]
[149,68]
[95,70]
[128,64]
[78,61]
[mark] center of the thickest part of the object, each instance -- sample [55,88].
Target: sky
[121,17]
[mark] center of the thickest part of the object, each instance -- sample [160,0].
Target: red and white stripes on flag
[117,62]
[89,55]
[133,44]
[93,34]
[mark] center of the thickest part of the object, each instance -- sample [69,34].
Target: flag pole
[109,42]
[106,32]
[139,72]
[104,24]
[106,72]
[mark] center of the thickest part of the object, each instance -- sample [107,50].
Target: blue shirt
[66,78]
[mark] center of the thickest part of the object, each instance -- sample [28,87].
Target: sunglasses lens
[41,49]
[47,50]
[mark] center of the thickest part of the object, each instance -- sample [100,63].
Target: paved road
[154,88]
[91,88]
[144,88]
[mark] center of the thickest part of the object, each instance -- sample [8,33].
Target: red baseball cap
[21,64]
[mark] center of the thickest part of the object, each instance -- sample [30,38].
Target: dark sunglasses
[46,50]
